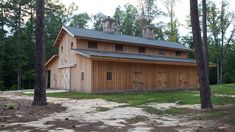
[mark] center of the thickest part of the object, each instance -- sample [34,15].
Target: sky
[107,7]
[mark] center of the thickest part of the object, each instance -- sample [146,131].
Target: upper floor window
[61,49]
[92,44]
[71,45]
[141,50]
[118,47]
[109,76]
[161,52]
[177,53]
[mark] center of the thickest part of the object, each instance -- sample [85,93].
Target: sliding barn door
[137,80]
[182,80]
[66,78]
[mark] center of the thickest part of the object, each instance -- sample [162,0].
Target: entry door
[162,80]
[137,80]
[66,78]
[182,80]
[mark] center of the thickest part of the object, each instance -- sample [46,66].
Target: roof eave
[142,61]
[61,29]
[51,59]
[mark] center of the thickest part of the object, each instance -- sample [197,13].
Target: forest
[17,33]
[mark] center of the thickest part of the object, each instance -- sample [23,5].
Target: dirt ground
[85,115]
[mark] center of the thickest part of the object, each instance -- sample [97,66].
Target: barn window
[82,75]
[71,45]
[61,49]
[109,75]
[177,53]
[118,47]
[141,50]
[92,44]
[161,52]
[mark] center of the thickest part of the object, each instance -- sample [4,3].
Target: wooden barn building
[104,61]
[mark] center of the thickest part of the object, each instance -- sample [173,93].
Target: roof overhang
[60,35]
[134,60]
[53,58]
[142,61]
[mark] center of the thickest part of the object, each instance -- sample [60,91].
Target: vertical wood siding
[141,77]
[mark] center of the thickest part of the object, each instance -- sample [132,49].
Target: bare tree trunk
[205,44]
[199,53]
[2,42]
[40,84]
[18,40]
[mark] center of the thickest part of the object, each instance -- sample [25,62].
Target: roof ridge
[116,33]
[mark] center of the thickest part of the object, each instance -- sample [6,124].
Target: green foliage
[97,24]
[20,52]
[80,20]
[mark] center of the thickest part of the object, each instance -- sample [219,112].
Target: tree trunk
[205,44]
[18,40]
[40,85]
[218,70]
[199,53]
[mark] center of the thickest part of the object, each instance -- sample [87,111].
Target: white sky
[107,7]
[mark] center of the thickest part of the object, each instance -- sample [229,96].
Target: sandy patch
[85,111]
[164,106]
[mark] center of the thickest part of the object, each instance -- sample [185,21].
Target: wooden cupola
[109,25]
[148,31]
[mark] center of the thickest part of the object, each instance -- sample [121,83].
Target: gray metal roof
[95,53]
[87,33]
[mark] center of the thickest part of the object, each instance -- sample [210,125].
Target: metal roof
[92,34]
[95,53]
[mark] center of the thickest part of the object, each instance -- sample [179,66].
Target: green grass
[172,111]
[10,106]
[228,89]
[135,99]
[141,98]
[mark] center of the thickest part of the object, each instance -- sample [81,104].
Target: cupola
[148,31]
[109,25]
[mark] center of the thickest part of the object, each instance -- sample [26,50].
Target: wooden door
[137,80]
[182,80]
[162,80]
[66,78]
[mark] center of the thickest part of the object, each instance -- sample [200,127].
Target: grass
[142,98]
[225,114]
[228,89]
[171,111]
[9,106]
[100,109]
[136,99]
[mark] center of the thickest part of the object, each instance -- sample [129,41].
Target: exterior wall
[66,56]
[54,74]
[105,46]
[83,64]
[141,77]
